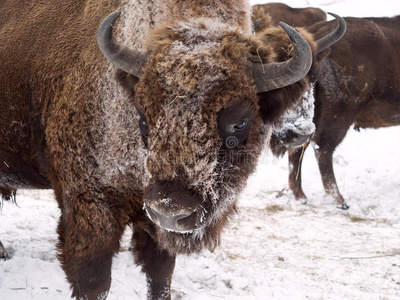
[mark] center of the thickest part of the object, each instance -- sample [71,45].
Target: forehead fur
[232,12]
[276,37]
[193,57]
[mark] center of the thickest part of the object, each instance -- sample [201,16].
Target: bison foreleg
[295,161]
[89,233]
[158,265]
[325,165]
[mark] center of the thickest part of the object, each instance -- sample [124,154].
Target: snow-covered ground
[276,248]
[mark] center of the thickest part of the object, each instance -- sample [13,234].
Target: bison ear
[318,61]
[127,81]
[273,104]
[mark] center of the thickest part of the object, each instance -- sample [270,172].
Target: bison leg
[3,252]
[325,165]
[89,233]
[295,161]
[158,265]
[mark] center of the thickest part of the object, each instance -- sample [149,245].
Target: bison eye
[144,128]
[240,126]
[234,124]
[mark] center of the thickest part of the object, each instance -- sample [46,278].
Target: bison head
[198,93]
[296,126]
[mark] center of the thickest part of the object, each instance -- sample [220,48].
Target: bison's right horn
[121,56]
[331,38]
[272,76]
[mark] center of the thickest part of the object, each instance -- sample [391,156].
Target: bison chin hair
[207,236]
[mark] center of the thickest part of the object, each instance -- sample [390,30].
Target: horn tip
[333,14]
[290,31]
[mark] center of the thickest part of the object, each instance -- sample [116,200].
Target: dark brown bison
[355,83]
[274,13]
[165,141]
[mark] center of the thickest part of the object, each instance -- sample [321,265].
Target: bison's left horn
[331,38]
[272,76]
[121,56]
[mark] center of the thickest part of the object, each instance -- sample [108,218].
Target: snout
[293,139]
[174,208]
[184,220]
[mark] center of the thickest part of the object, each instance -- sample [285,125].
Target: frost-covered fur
[299,119]
[137,18]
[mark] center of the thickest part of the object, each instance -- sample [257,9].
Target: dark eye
[144,128]
[234,124]
[240,126]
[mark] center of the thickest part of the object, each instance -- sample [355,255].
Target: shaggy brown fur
[70,128]
[234,13]
[273,13]
[354,85]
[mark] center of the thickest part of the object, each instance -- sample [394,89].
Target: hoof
[4,255]
[304,202]
[344,206]
[3,252]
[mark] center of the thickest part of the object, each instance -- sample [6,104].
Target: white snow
[276,248]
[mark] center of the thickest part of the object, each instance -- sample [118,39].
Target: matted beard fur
[184,144]
[298,119]
[228,182]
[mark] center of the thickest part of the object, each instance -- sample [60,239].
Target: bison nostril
[294,139]
[186,222]
[175,222]
[292,136]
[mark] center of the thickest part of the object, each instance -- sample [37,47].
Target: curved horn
[334,36]
[122,57]
[276,75]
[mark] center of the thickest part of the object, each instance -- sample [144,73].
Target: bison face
[198,95]
[200,121]
[295,128]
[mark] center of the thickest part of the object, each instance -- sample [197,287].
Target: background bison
[349,89]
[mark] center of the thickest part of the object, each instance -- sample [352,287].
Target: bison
[355,84]
[161,135]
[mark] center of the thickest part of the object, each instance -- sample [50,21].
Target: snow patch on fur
[300,118]
[122,153]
